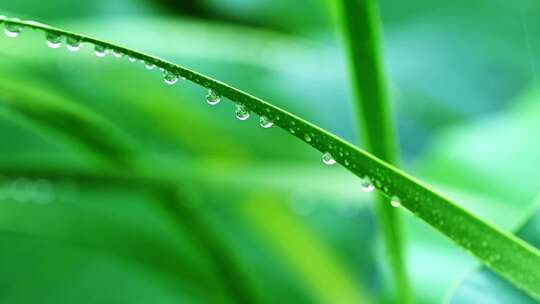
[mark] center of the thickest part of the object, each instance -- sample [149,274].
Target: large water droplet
[54,40]
[170,77]
[366,184]
[241,112]
[265,122]
[100,50]
[395,202]
[73,44]
[132,59]
[327,159]
[212,98]
[12,30]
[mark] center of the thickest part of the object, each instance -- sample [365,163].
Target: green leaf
[361,25]
[504,253]
[485,286]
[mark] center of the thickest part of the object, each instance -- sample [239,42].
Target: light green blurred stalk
[361,28]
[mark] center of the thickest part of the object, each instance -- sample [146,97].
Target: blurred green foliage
[255,216]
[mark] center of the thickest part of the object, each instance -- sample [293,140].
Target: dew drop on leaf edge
[100,50]
[73,44]
[241,112]
[265,122]
[149,65]
[366,184]
[327,159]
[212,98]
[12,30]
[170,78]
[395,202]
[53,40]
[117,54]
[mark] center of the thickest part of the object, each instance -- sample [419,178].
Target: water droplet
[292,130]
[241,112]
[117,54]
[100,50]
[54,40]
[307,138]
[366,184]
[12,30]
[132,59]
[395,202]
[327,159]
[73,44]
[212,98]
[265,122]
[170,78]
[149,65]
[347,163]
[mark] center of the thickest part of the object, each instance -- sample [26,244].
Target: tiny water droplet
[170,78]
[54,40]
[366,184]
[241,112]
[347,163]
[117,54]
[327,159]
[132,59]
[292,130]
[395,202]
[149,65]
[12,30]
[265,122]
[307,138]
[100,50]
[73,44]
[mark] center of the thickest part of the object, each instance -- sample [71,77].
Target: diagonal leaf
[484,286]
[509,256]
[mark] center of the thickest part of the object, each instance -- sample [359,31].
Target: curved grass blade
[509,256]
[360,19]
[92,133]
[84,128]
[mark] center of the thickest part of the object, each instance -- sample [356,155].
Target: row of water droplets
[365,184]
[241,111]
[74,44]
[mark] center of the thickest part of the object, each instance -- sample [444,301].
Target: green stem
[361,27]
